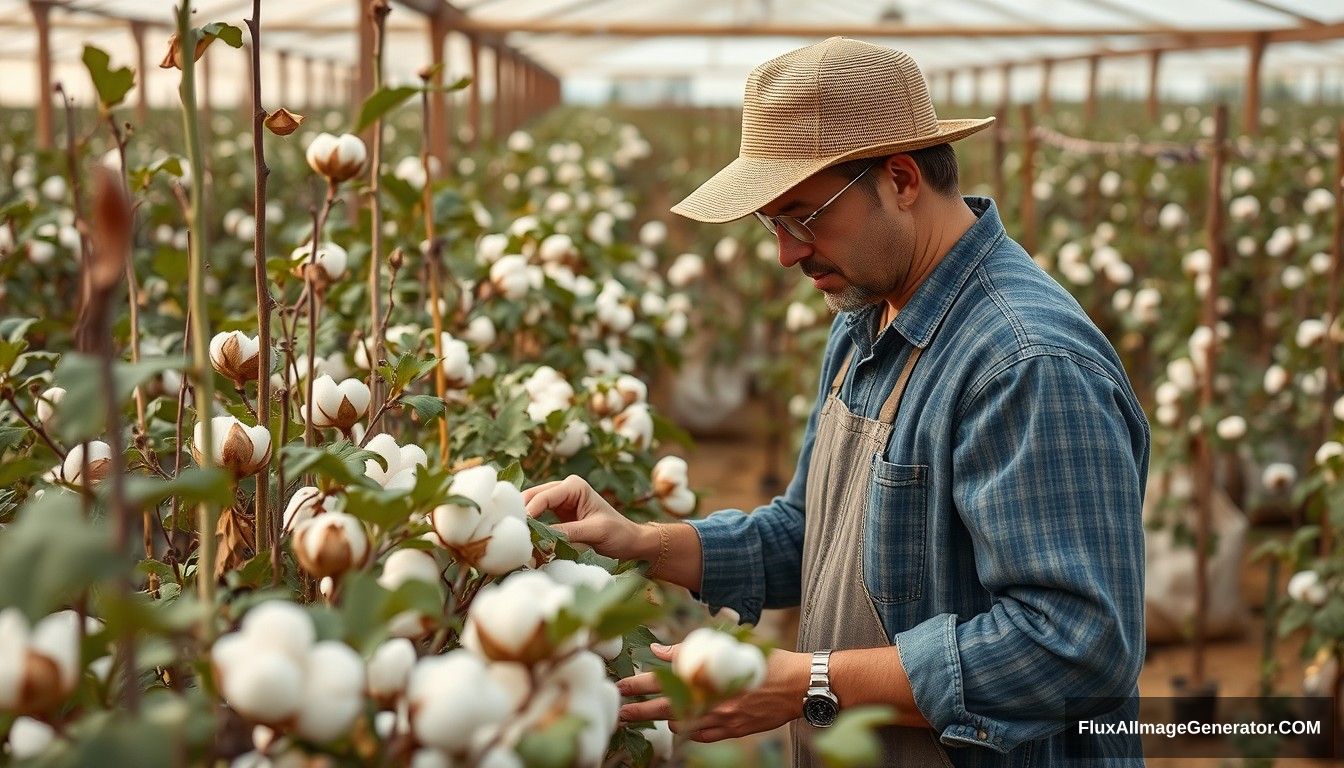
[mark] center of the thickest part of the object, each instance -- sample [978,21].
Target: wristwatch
[820,705]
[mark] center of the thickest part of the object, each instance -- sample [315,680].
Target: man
[964,535]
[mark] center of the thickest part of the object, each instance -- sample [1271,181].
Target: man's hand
[587,518]
[778,700]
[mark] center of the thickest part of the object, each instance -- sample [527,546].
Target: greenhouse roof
[706,46]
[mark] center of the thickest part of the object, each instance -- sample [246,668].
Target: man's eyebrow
[796,205]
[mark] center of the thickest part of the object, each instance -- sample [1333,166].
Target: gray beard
[850,299]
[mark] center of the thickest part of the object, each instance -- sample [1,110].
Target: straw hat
[817,106]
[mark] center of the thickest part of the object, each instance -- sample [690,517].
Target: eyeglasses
[798,227]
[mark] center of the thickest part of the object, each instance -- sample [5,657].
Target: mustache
[813,268]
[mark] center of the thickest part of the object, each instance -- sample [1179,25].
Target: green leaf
[193,486]
[1294,617]
[112,84]
[82,413]
[170,165]
[554,746]
[382,101]
[341,462]
[1329,620]
[226,33]
[11,437]
[52,553]
[851,743]
[513,474]
[714,756]
[427,407]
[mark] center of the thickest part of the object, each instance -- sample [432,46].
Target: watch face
[820,711]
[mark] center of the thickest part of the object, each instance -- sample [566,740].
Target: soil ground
[727,469]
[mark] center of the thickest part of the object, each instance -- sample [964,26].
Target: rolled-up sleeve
[1048,469]
[754,561]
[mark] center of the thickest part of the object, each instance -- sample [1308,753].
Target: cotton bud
[1172,216]
[717,664]
[1276,379]
[242,450]
[46,405]
[1329,450]
[401,461]
[282,122]
[259,681]
[572,439]
[1181,371]
[338,405]
[1279,477]
[510,277]
[235,356]
[452,698]
[480,332]
[490,248]
[669,474]
[41,664]
[1310,332]
[680,502]
[337,158]
[635,424]
[653,234]
[331,544]
[100,463]
[1306,587]
[799,316]
[686,269]
[1145,307]
[577,687]
[557,248]
[493,535]
[1197,262]
[402,566]
[29,738]
[306,503]
[389,670]
[332,259]
[631,389]
[660,739]
[457,369]
[507,620]
[1231,428]
[1244,208]
[333,689]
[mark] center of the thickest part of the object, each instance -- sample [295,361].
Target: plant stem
[205,397]
[36,427]
[378,11]
[265,302]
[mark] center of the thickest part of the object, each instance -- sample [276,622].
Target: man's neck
[950,222]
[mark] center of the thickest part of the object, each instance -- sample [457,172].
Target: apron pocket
[894,532]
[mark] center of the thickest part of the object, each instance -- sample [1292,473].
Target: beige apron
[837,611]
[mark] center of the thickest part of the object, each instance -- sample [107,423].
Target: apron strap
[840,375]
[893,404]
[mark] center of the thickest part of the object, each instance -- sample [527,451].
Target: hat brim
[749,183]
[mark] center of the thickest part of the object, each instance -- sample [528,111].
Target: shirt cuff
[932,661]
[730,565]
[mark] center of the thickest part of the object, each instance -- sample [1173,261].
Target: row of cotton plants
[264,447]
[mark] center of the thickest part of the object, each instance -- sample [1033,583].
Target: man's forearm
[875,676]
[674,551]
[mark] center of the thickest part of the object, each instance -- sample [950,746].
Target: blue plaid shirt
[1004,545]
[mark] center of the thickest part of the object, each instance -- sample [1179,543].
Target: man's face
[863,247]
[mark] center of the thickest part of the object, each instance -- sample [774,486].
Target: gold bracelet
[664,546]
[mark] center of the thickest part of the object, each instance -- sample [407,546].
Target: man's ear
[901,176]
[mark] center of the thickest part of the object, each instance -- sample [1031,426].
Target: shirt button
[981,735]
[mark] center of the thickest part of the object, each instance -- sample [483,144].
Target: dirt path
[727,470]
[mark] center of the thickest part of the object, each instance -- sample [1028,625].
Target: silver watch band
[821,670]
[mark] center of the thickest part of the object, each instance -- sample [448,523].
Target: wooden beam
[46,131]
[497,124]
[1154,93]
[474,97]
[1045,102]
[1090,105]
[141,74]
[438,100]
[1250,117]
[811,31]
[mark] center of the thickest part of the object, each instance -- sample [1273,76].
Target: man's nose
[791,249]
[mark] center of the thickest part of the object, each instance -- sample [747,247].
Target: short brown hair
[938,165]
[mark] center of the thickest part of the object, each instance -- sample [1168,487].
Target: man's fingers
[549,496]
[642,684]
[657,709]
[528,493]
